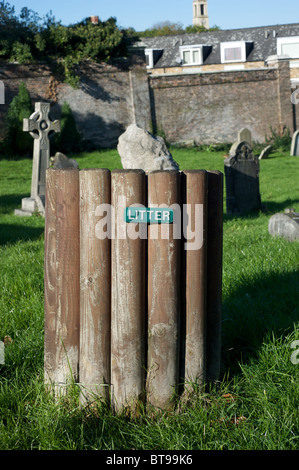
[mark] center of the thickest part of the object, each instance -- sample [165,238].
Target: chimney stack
[94,19]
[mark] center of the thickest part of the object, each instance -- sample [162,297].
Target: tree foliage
[16,142]
[29,38]
[200,29]
[68,139]
[166,28]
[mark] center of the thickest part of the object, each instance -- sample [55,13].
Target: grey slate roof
[264,39]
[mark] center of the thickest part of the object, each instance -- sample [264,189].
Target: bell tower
[200,13]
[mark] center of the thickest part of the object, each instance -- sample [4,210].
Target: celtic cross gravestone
[39,125]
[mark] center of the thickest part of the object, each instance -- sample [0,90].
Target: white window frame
[233,45]
[149,53]
[287,40]
[191,49]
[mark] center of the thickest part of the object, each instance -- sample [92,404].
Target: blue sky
[140,15]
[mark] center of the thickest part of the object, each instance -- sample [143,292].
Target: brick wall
[213,107]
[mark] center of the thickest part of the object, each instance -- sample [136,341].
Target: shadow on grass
[274,207]
[268,208]
[10,202]
[12,233]
[17,228]
[254,310]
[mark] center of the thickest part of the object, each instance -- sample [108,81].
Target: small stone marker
[244,135]
[61,161]
[242,177]
[285,225]
[138,149]
[2,95]
[295,145]
[2,353]
[39,125]
[265,152]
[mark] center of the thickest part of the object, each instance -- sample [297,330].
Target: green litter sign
[148,215]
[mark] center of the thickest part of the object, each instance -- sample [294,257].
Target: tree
[26,39]
[21,53]
[30,19]
[200,29]
[97,42]
[8,28]
[7,14]
[166,28]
[17,34]
[163,28]
[16,142]
[69,45]
[68,140]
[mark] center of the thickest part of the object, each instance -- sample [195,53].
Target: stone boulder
[138,149]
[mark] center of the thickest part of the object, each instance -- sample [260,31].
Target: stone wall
[211,108]
[109,98]
[205,108]
[102,106]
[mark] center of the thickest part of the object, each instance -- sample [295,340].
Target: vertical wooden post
[195,198]
[128,294]
[163,295]
[95,284]
[214,273]
[62,268]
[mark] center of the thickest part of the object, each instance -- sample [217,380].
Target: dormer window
[194,55]
[235,51]
[288,46]
[152,56]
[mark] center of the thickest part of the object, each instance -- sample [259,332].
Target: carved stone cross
[39,125]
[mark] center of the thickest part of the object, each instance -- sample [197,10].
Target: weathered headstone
[295,145]
[265,152]
[242,177]
[39,125]
[244,135]
[285,225]
[138,149]
[61,161]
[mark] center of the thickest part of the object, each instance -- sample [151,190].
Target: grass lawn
[255,406]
